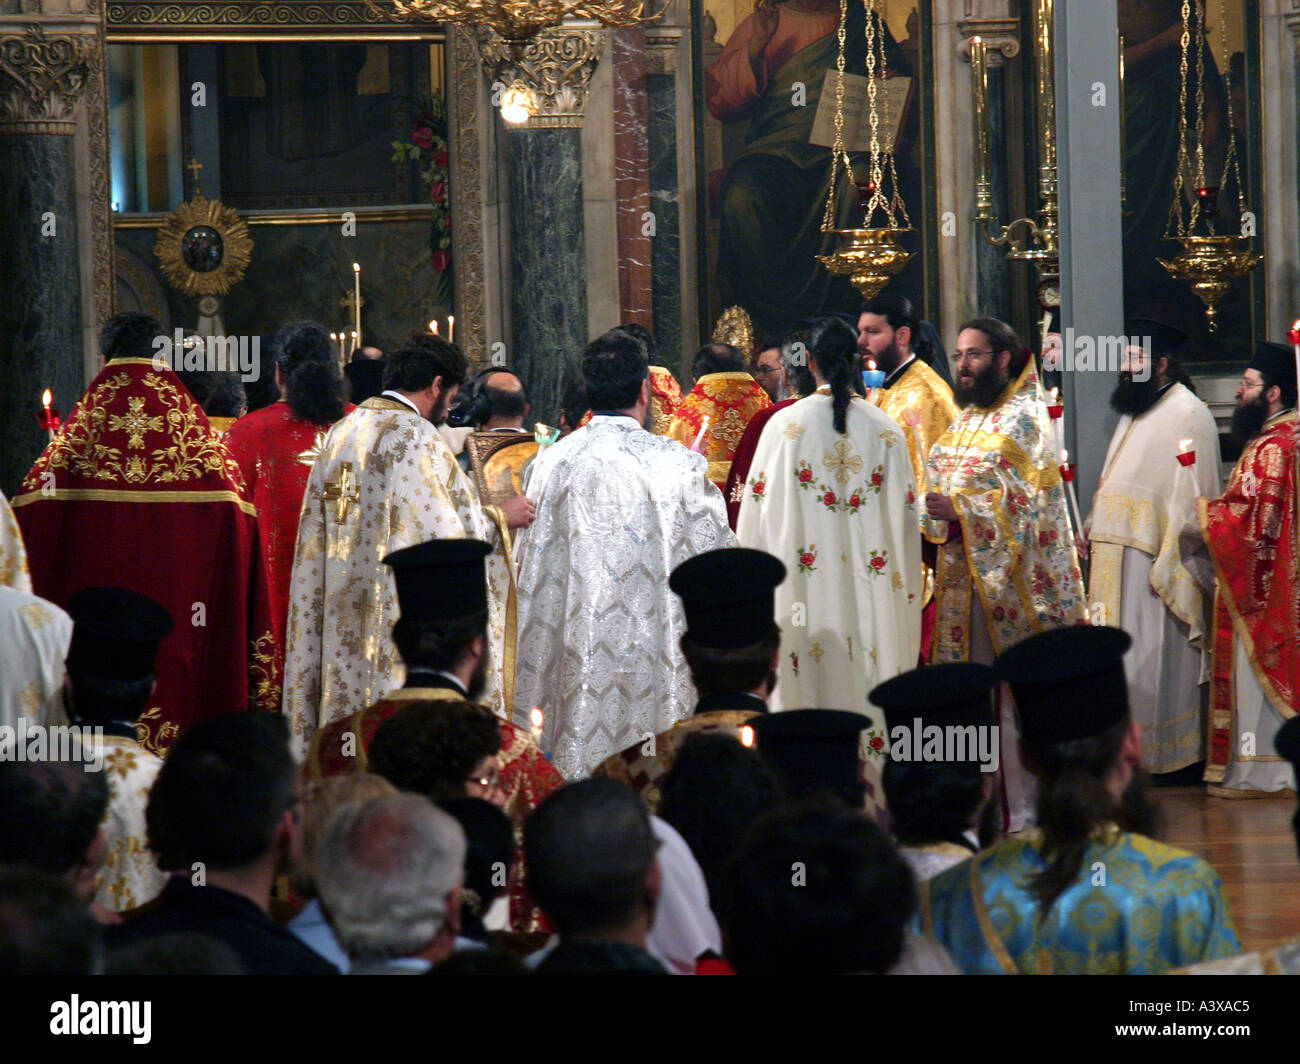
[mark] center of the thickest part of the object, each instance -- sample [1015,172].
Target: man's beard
[886,360]
[478,681]
[438,415]
[1248,419]
[983,390]
[1137,812]
[1134,397]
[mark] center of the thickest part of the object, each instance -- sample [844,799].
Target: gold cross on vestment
[841,462]
[343,491]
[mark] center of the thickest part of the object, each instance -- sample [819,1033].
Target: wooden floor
[1250,844]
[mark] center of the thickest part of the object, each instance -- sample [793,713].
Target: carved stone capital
[555,66]
[1001,34]
[41,80]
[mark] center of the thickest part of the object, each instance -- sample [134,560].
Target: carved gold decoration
[1211,264]
[248,16]
[518,22]
[237,247]
[555,67]
[734,327]
[869,257]
[467,101]
[41,81]
[103,278]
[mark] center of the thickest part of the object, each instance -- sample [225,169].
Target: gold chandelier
[871,255]
[1210,261]
[518,21]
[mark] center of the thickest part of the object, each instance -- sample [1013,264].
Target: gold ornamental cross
[343,491]
[841,463]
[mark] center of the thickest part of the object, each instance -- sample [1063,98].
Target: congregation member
[843,911]
[591,857]
[224,819]
[831,495]
[1252,539]
[1007,566]
[721,402]
[489,856]
[322,800]
[389,876]
[732,645]
[940,800]
[1137,575]
[276,446]
[618,508]
[384,480]
[45,928]
[110,676]
[1088,891]
[137,490]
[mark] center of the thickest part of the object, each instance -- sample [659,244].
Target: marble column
[637,223]
[41,80]
[548,298]
[666,204]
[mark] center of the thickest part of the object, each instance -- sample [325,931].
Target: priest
[721,402]
[1007,566]
[13,555]
[618,508]
[441,637]
[1137,576]
[276,445]
[384,479]
[1251,535]
[137,491]
[831,493]
[665,392]
[732,645]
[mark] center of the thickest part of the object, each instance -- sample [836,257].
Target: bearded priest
[1251,535]
[384,479]
[1145,497]
[1007,567]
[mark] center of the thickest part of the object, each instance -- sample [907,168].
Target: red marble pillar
[636,223]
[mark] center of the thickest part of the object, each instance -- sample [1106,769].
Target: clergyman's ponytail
[313,383]
[834,346]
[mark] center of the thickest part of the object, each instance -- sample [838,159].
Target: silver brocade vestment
[617,510]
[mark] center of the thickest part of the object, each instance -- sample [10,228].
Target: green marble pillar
[548,260]
[40,312]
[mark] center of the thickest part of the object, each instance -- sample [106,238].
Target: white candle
[699,436]
[433,326]
[451,328]
[356,296]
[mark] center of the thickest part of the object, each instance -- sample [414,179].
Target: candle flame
[47,397]
[536,717]
[746,736]
[1295,324]
[1065,457]
[356,267]
[433,327]
[871,363]
[1055,393]
[1184,446]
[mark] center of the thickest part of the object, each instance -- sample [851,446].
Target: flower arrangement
[425,143]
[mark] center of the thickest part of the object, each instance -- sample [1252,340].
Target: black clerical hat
[1068,682]
[952,694]
[116,633]
[365,378]
[1166,339]
[729,596]
[1287,741]
[813,750]
[442,580]
[1276,362]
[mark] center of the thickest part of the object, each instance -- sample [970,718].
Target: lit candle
[1295,344]
[536,718]
[872,378]
[451,328]
[49,418]
[746,736]
[433,326]
[699,436]
[356,295]
[1067,474]
[356,341]
[544,435]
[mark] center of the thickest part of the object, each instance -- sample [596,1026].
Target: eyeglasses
[1250,386]
[490,782]
[962,356]
[766,371]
